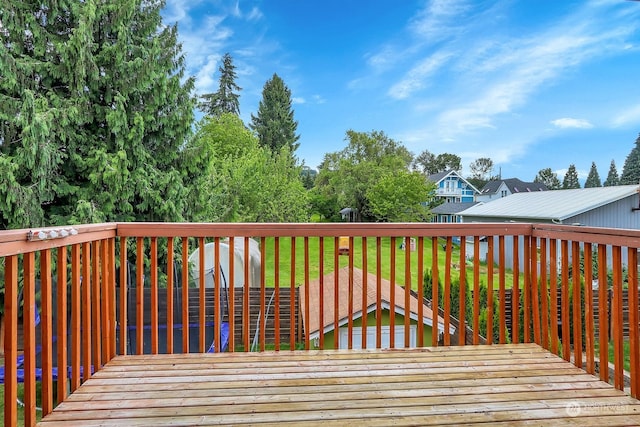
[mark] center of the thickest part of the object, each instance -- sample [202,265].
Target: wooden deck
[497,385]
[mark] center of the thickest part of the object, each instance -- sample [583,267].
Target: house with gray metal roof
[615,207]
[497,189]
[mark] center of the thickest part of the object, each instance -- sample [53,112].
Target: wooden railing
[71,304]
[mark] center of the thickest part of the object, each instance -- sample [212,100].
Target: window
[385,338]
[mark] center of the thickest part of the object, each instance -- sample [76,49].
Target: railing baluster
[170,290]
[420,287]
[185,295]
[292,296]
[96,312]
[515,293]
[392,294]
[462,336]
[544,294]
[124,290]
[153,276]
[336,292]
[476,290]
[263,290]
[276,291]
[526,319]
[139,295]
[407,291]
[201,294]
[588,308]
[553,292]
[566,332]
[46,331]
[61,325]
[501,290]
[321,292]
[577,304]
[534,286]
[305,315]
[350,295]
[246,320]
[76,306]
[616,319]
[634,344]
[435,284]
[378,292]
[231,314]
[29,316]
[603,327]
[490,242]
[86,311]
[447,291]
[364,293]
[217,296]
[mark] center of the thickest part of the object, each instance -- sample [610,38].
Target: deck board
[498,385]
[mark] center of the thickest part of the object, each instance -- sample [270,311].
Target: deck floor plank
[520,384]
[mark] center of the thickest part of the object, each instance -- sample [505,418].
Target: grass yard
[285,251]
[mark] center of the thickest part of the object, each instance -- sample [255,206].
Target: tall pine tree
[274,123]
[631,169]
[612,178]
[93,112]
[571,178]
[593,180]
[226,99]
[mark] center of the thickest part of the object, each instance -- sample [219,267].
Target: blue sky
[531,84]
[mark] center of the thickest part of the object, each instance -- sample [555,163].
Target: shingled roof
[514,185]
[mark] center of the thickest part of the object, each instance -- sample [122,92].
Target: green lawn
[385,260]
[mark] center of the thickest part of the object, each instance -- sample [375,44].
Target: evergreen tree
[549,178]
[93,113]
[274,123]
[631,169]
[593,180]
[226,99]
[571,178]
[612,177]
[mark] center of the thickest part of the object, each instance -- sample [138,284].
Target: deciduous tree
[240,180]
[353,171]
[400,197]
[430,164]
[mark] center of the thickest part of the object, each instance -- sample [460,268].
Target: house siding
[371,322]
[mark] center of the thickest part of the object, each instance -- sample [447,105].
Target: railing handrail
[16,242]
[360,229]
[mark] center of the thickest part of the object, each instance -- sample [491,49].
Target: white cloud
[298,100]
[631,115]
[416,78]
[571,123]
